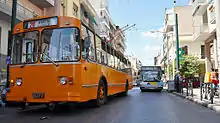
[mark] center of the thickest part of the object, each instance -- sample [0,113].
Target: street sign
[181,52]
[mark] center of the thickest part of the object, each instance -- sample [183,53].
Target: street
[137,107]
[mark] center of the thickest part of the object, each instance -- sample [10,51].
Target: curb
[207,104]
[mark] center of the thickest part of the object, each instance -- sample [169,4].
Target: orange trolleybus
[61,59]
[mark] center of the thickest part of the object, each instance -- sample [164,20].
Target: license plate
[153,83]
[39,95]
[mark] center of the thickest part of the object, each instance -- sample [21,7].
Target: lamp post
[177,47]
[13,20]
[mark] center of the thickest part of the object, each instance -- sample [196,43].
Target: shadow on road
[67,109]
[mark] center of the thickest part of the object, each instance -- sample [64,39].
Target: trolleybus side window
[88,41]
[60,44]
[25,47]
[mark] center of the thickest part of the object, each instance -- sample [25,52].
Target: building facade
[186,38]
[204,29]
[135,65]
[112,33]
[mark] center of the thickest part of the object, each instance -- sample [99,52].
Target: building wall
[5,27]
[69,5]
[194,48]
[184,19]
[31,6]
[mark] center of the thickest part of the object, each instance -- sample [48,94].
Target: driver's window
[88,43]
[27,51]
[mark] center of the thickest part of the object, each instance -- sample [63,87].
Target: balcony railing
[22,10]
[202,31]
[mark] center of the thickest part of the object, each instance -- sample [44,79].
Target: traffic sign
[181,58]
[181,52]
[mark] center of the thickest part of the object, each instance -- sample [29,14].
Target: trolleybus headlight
[63,80]
[19,82]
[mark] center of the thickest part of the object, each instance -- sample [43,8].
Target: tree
[189,66]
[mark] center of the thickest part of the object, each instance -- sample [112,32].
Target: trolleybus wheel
[101,94]
[125,93]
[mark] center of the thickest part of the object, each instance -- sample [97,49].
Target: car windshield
[60,45]
[151,76]
[25,47]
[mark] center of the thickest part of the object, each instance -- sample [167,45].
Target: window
[75,9]
[87,35]
[60,45]
[25,47]
[205,18]
[185,49]
[202,51]
[99,56]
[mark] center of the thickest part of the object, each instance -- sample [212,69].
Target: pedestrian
[214,78]
[3,96]
[177,81]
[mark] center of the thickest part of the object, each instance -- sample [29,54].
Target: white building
[135,65]
[204,24]
[186,36]
[108,29]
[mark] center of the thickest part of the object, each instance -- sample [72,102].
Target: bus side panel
[130,81]
[116,80]
[90,80]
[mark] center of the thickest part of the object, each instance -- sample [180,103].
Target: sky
[148,15]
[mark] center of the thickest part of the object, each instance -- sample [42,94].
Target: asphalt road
[137,107]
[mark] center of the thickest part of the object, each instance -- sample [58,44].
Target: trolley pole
[13,20]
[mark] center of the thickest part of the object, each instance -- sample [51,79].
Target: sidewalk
[196,98]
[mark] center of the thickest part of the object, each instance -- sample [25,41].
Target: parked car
[195,80]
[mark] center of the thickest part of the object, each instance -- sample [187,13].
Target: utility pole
[177,43]
[179,87]
[13,20]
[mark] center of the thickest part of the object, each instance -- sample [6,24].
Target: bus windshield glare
[25,48]
[151,76]
[60,45]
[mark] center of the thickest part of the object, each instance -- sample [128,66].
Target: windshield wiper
[48,57]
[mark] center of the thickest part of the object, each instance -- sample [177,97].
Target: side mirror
[163,72]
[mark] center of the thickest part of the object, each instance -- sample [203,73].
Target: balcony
[201,33]
[104,21]
[43,3]
[169,25]
[199,7]
[22,11]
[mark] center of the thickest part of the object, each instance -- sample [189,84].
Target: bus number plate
[38,95]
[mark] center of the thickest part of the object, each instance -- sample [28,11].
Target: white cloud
[148,53]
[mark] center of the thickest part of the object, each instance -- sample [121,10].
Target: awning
[92,19]
[86,9]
